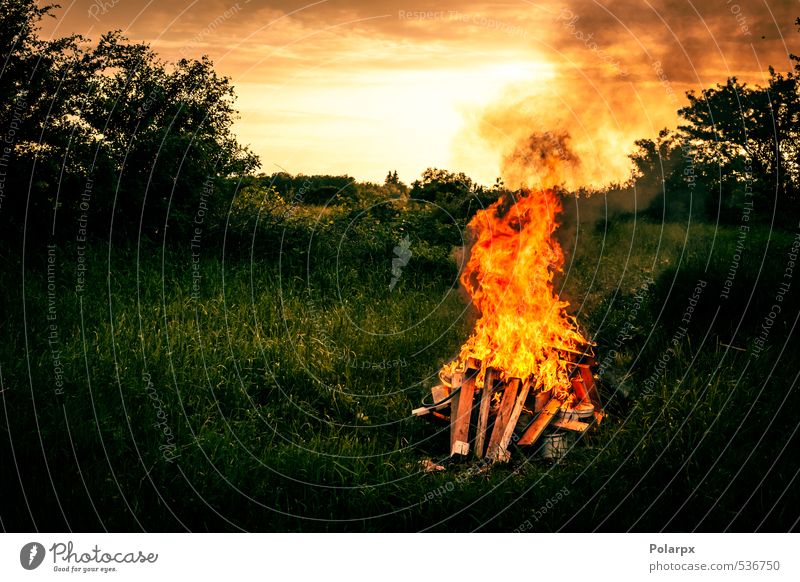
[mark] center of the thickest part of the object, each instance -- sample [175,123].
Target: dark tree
[747,140]
[109,134]
[735,153]
[668,172]
[454,193]
[392,179]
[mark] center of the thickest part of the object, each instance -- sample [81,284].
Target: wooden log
[460,411]
[591,388]
[545,417]
[502,450]
[575,425]
[541,399]
[483,412]
[440,393]
[495,451]
[578,385]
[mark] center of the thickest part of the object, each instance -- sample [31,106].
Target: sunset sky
[361,88]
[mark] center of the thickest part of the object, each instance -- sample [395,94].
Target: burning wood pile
[526,374]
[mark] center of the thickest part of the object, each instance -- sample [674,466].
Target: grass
[278,398]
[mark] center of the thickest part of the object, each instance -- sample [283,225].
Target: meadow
[265,383]
[189,344]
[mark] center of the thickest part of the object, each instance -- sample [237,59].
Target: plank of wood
[460,411]
[428,413]
[455,383]
[440,393]
[542,398]
[578,385]
[483,411]
[508,432]
[473,363]
[591,388]
[495,451]
[535,430]
[460,448]
[575,425]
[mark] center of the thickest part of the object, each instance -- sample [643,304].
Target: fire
[509,277]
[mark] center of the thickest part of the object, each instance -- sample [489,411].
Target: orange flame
[509,277]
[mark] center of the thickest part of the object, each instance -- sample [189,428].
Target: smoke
[547,140]
[621,71]
[541,159]
[582,152]
[582,212]
[567,135]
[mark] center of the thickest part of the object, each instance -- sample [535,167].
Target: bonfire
[526,371]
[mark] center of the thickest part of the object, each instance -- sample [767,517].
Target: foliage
[736,151]
[315,189]
[285,357]
[108,134]
[750,135]
[455,194]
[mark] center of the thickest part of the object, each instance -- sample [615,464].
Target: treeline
[335,219]
[453,193]
[105,141]
[108,141]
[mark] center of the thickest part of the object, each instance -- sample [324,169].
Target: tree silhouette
[108,134]
[750,133]
[736,151]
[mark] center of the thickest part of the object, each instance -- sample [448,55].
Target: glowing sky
[361,88]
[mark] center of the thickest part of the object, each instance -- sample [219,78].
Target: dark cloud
[695,42]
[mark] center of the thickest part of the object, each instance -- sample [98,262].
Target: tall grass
[278,397]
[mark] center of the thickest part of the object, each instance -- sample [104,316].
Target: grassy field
[270,388]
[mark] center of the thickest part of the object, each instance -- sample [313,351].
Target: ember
[526,369]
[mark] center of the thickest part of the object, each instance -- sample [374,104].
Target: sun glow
[369,123]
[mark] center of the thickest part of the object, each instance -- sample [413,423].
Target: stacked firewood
[485,418]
